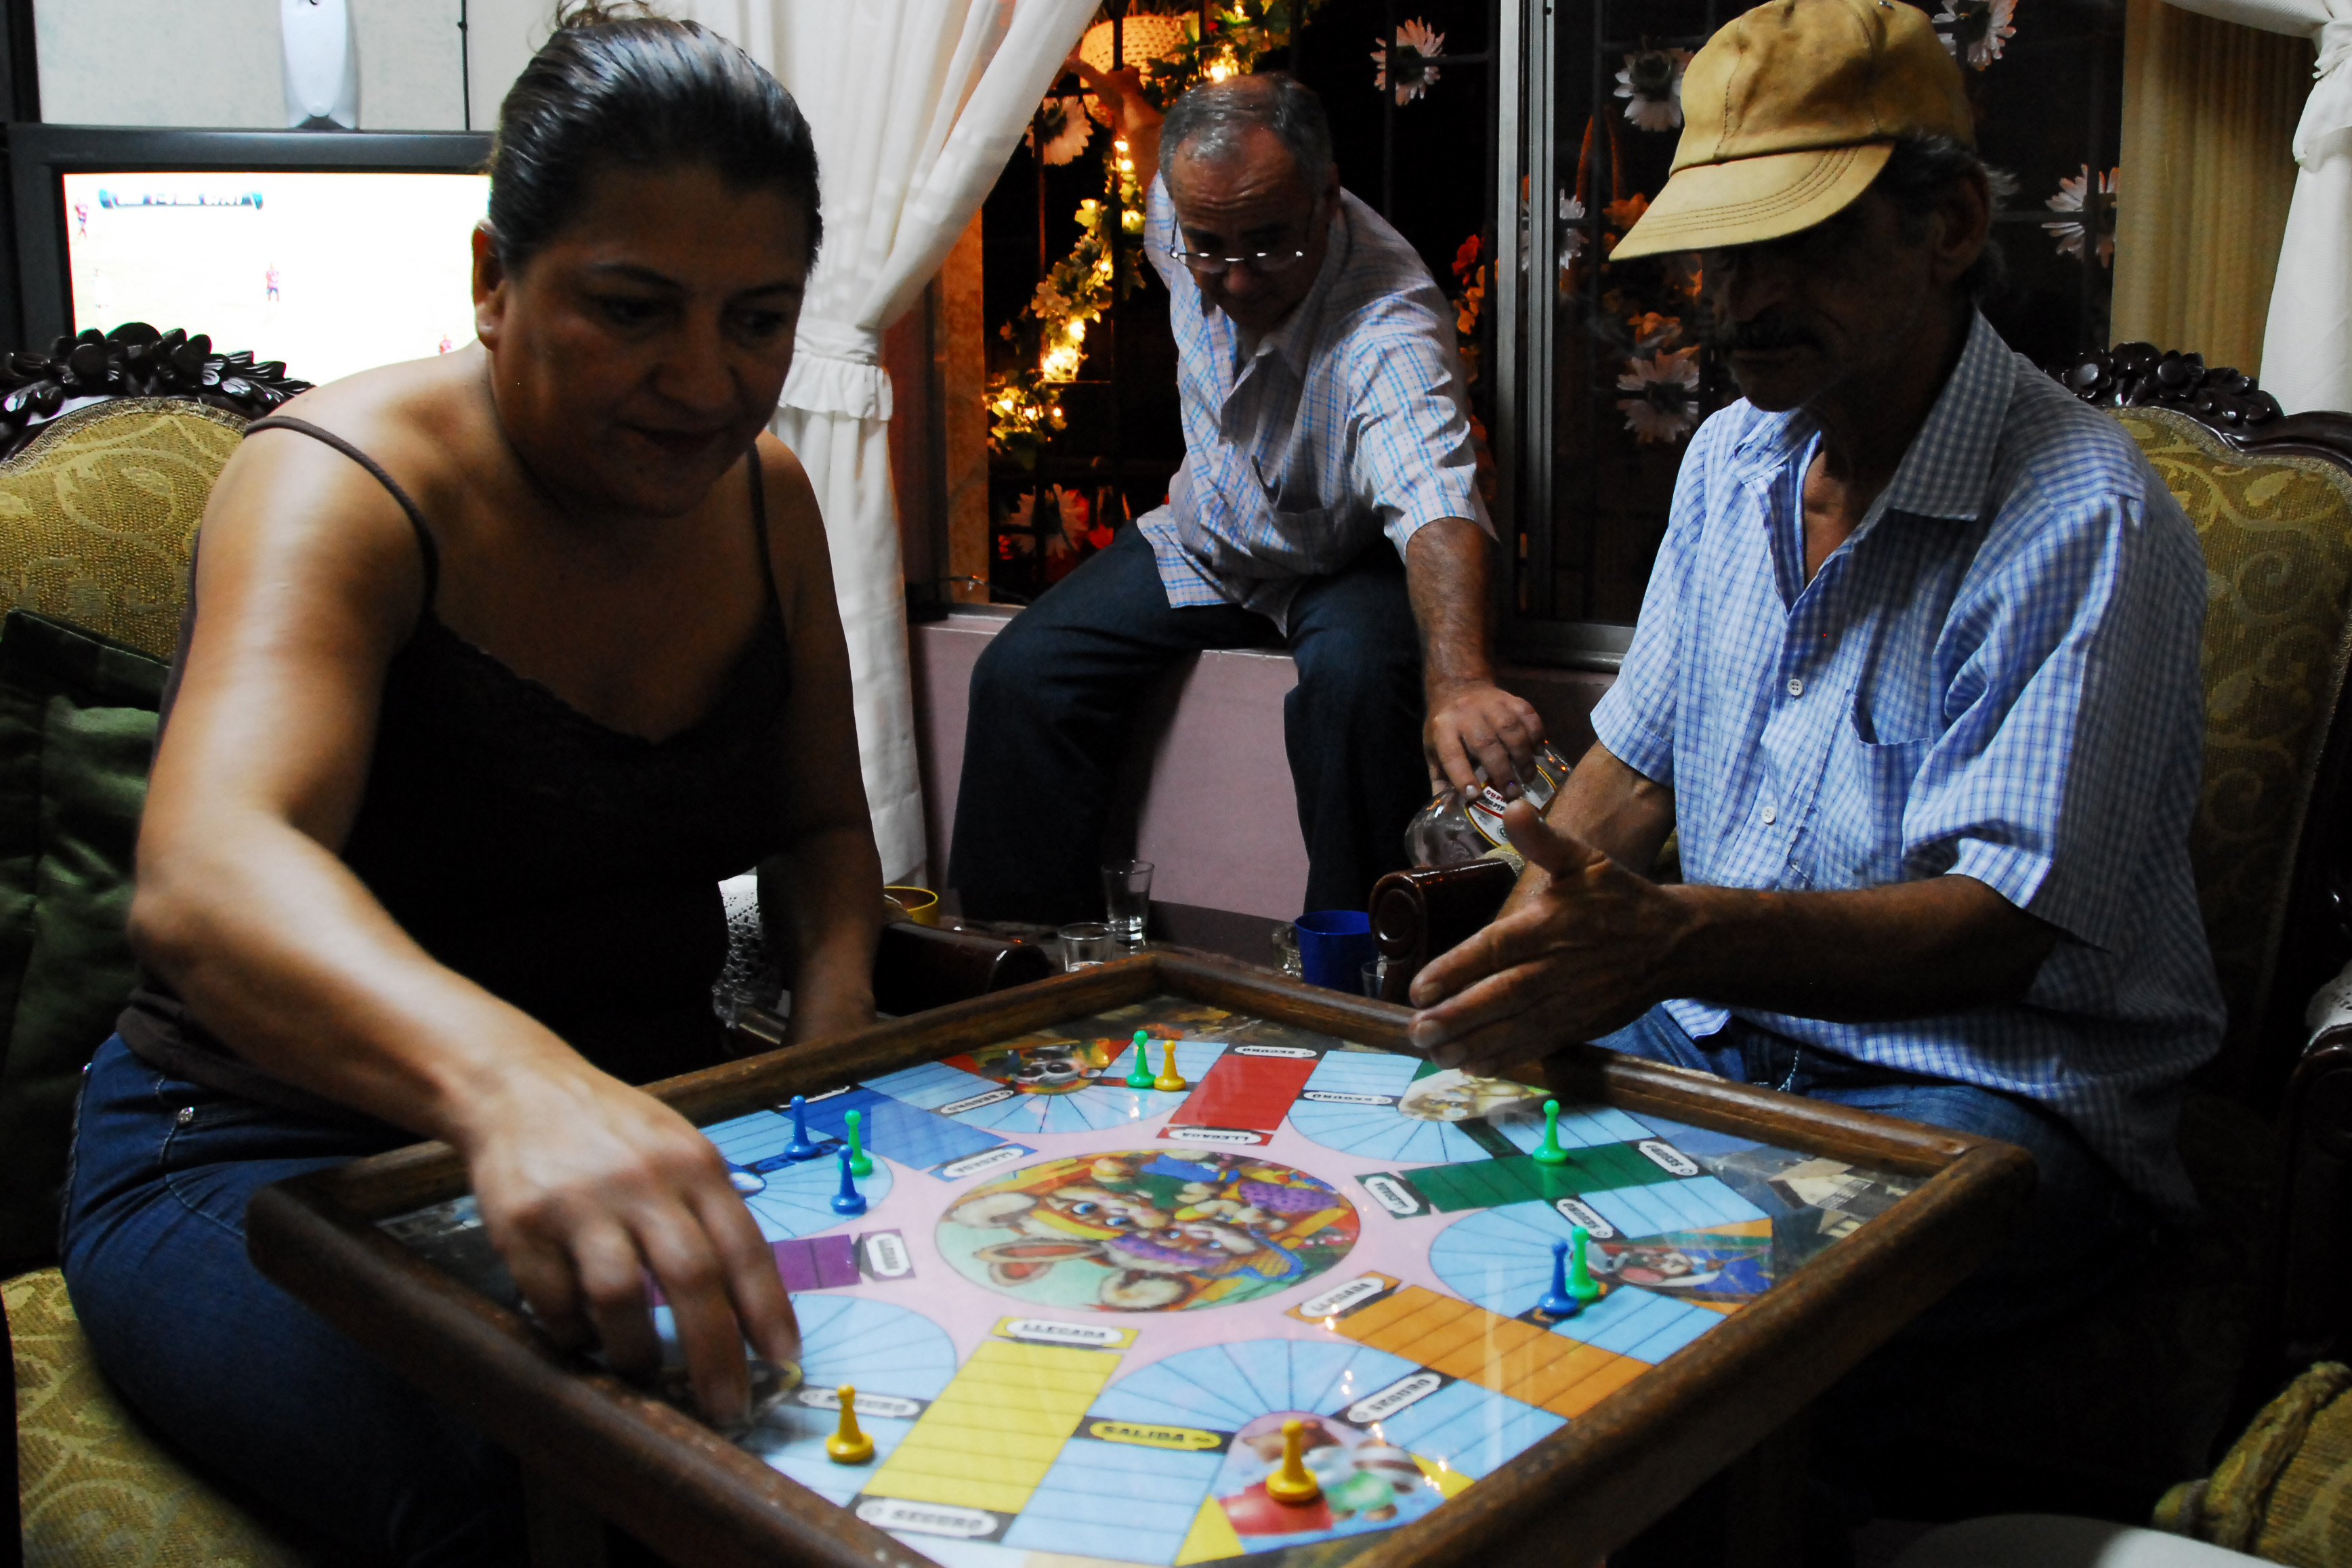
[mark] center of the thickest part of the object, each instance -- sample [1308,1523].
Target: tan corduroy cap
[1789,112]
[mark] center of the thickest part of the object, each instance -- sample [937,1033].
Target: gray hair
[1913,180]
[1211,119]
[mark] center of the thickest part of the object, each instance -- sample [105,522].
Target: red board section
[1244,1094]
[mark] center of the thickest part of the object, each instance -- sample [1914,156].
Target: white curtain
[917,105]
[2307,346]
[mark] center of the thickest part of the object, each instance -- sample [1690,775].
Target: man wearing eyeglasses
[1327,502]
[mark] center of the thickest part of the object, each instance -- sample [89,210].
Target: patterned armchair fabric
[98,514]
[2284,1492]
[2277,532]
[98,519]
[97,1491]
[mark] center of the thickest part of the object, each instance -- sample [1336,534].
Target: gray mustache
[1760,335]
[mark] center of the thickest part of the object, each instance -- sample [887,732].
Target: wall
[1208,799]
[216,62]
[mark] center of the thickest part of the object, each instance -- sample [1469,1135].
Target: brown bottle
[1458,826]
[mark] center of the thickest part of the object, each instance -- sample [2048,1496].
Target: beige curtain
[916,105]
[2207,172]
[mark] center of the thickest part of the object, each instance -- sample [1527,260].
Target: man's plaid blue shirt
[1995,676]
[1345,422]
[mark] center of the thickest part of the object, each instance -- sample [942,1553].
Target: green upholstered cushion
[77,728]
[2277,532]
[97,1490]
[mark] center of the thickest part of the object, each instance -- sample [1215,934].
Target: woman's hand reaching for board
[586,1188]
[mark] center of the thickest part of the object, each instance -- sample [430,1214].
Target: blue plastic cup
[1334,946]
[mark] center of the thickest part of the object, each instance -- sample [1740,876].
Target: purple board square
[816,1264]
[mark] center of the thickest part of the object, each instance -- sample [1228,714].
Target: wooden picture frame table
[1572,1497]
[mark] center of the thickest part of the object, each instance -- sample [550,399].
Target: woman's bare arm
[828,879]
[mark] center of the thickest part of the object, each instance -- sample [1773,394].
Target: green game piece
[1549,1152]
[1581,1283]
[860,1164]
[1139,1076]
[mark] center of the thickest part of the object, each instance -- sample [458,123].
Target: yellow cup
[920,904]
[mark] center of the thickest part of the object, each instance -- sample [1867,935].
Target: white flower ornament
[2075,194]
[1652,83]
[1665,405]
[1417,50]
[1975,30]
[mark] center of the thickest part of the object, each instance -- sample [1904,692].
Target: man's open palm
[1574,954]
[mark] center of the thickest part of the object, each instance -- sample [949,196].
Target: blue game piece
[801,1147]
[848,1200]
[1556,1302]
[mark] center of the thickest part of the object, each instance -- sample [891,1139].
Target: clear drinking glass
[1086,944]
[1286,951]
[1374,976]
[1127,895]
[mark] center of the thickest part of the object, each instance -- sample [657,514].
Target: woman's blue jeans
[246,1382]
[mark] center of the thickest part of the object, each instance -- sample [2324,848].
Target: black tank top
[567,867]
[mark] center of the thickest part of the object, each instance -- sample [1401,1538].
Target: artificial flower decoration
[1627,211]
[1652,83]
[1572,238]
[1653,332]
[1664,406]
[2074,195]
[1060,130]
[1470,276]
[1975,30]
[1415,70]
[1018,536]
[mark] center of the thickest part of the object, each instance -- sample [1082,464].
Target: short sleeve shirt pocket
[1865,790]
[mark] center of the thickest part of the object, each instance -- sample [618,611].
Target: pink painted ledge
[1206,797]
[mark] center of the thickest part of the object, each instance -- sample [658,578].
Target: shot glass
[1286,951]
[1127,896]
[1374,974]
[1086,944]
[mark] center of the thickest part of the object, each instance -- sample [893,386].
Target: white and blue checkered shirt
[1995,676]
[1347,420]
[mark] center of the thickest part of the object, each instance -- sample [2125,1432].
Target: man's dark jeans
[1053,708]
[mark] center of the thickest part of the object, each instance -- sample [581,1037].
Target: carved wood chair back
[2271,498]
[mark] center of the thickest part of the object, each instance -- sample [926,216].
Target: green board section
[1482,1133]
[1488,1184]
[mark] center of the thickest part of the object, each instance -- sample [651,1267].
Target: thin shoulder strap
[759,523]
[432,555]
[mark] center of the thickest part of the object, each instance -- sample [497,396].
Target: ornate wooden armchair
[2269,1132]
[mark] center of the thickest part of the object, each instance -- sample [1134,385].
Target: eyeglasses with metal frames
[1264,263]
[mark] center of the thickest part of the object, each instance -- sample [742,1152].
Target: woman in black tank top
[495,664]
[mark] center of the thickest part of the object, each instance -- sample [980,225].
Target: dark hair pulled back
[619,84]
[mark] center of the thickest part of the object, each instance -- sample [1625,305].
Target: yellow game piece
[1293,1484]
[848,1445]
[1169,1080]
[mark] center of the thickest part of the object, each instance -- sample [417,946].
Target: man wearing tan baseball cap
[1917,679]
[1793,110]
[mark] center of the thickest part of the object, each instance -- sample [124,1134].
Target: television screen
[330,272]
